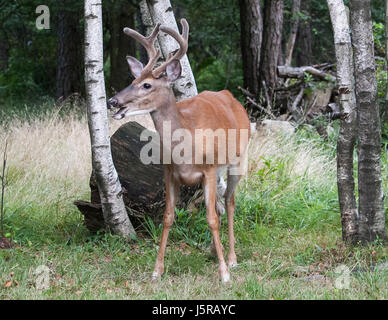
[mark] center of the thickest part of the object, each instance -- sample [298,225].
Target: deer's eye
[147,86]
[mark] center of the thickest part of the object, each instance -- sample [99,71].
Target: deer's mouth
[121,113]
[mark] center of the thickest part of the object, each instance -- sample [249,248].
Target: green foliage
[378,10]
[32,57]
[384,135]
[216,75]
[214,50]
[26,77]
[190,227]
[379,38]
[381,74]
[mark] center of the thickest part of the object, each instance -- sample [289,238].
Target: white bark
[371,198]
[110,191]
[347,135]
[160,11]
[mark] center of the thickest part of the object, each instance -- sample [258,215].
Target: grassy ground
[287,227]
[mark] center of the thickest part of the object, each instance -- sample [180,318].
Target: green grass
[287,230]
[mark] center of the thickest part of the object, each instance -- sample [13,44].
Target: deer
[151,92]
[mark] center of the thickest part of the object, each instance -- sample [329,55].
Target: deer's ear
[173,70]
[135,66]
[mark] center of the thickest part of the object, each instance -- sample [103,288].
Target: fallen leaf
[12,274]
[8,284]
[78,292]
[183,245]
[108,259]
[109,290]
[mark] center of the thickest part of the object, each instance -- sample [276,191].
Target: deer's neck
[167,118]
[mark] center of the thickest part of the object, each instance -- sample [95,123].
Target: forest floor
[287,227]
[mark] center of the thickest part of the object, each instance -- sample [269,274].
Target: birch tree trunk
[371,206]
[348,126]
[294,31]
[110,191]
[160,11]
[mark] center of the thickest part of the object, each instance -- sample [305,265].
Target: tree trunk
[371,206]
[4,53]
[348,126]
[272,38]
[68,77]
[110,190]
[385,114]
[305,37]
[293,32]
[251,19]
[154,12]
[121,15]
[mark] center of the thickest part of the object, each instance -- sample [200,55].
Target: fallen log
[298,73]
[143,185]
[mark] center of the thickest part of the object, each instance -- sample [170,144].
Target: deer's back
[214,110]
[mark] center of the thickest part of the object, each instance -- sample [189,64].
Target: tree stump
[143,185]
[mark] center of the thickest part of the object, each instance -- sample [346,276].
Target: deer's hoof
[225,277]
[156,276]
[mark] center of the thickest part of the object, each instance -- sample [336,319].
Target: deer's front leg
[172,190]
[209,186]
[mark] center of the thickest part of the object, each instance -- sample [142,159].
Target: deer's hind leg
[209,186]
[220,209]
[233,180]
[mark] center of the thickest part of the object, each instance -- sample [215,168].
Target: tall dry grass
[303,157]
[50,156]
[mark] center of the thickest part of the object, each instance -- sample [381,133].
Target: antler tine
[148,44]
[182,39]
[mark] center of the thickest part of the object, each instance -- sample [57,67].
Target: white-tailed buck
[200,117]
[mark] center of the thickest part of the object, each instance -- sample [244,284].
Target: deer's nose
[112,103]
